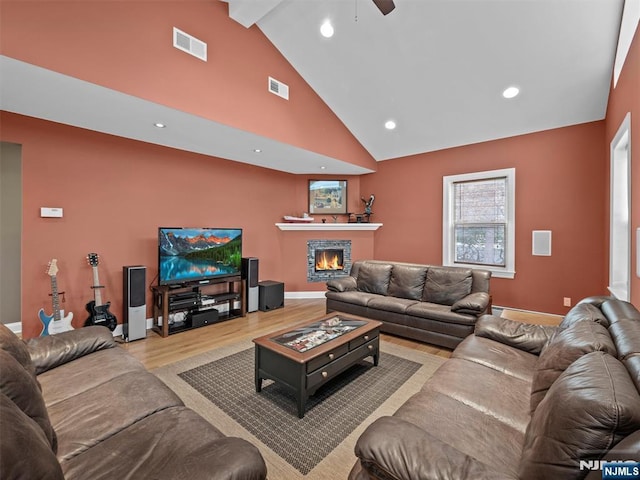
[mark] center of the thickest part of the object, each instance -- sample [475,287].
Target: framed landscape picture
[327,197]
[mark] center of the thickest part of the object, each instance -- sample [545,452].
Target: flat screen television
[198,255]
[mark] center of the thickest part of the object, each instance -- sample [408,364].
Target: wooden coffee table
[308,355]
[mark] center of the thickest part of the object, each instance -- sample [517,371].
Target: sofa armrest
[523,336]
[55,350]
[342,284]
[474,303]
[393,449]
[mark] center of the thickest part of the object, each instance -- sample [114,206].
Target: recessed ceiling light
[510,92]
[326,29]
[323,168]
[159,125]
[389,124]
[257,150]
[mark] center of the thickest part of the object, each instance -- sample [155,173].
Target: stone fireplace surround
[323,276]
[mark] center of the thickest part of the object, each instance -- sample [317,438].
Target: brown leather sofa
[520,401]
[77,406]
[434,304]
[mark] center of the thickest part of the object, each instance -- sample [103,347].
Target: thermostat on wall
[51,212]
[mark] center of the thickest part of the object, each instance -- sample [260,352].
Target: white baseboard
[498,307]
[15,327]
[299,295]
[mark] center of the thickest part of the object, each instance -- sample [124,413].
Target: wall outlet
[567,301]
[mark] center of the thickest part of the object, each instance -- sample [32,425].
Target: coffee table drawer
[316,363]
[330,370]
[362,339]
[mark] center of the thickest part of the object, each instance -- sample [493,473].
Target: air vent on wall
[279,88]
[191,45]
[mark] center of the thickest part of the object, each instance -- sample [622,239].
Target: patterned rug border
[339,462]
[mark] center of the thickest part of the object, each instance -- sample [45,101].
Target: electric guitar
[99,313]
[57,322]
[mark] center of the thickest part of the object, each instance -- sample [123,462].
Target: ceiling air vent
[279,88]
[191,45]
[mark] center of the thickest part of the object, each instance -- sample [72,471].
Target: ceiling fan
[385,6]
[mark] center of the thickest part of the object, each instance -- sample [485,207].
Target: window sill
[495,273]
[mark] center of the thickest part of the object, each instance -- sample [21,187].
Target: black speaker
[134,305]
[206,317]
[250,275]
[271,295]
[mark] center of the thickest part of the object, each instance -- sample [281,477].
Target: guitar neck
[97,295]
[55,300]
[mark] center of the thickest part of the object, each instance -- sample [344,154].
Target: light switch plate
[51,212]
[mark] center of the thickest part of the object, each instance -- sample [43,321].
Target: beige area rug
[219,385]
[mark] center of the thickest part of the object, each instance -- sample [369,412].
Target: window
[479,221]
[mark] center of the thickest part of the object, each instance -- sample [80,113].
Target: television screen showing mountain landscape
[192,254]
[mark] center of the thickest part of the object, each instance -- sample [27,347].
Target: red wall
[623,99]
[559,187]
[127,46]
[116,193]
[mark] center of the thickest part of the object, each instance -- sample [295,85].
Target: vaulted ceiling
[437,68]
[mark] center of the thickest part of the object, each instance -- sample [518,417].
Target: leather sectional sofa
[434,304]
[77,406]
[520,401]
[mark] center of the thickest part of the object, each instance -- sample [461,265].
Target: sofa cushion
[23,390]
[447,285]
[374,278]
[25,451]
[438,312]
[390,304]
[407,281]
[92,416]
[564,348]
[604,406]
[175,443]
[497,356]
[581,312]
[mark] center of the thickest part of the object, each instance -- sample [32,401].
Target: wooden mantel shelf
[313,226]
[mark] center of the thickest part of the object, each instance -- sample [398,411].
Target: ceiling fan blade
[385,6]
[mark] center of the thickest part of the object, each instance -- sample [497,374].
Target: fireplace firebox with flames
[329,259]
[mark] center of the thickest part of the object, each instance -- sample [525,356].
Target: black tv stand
[184,307]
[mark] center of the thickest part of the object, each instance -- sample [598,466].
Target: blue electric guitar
[58,322]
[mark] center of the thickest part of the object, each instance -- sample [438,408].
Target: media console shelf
[184,308]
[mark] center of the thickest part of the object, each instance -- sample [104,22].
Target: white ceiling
[437,67]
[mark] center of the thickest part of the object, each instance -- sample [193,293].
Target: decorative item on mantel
[305,218]
[366,215]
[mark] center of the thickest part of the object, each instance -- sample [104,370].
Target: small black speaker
[271,295]
[250,276]
[206,317]
[134,305]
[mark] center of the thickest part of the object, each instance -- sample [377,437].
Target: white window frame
[620,212]
[448,237]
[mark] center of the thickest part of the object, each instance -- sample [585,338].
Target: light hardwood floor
[155,351]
